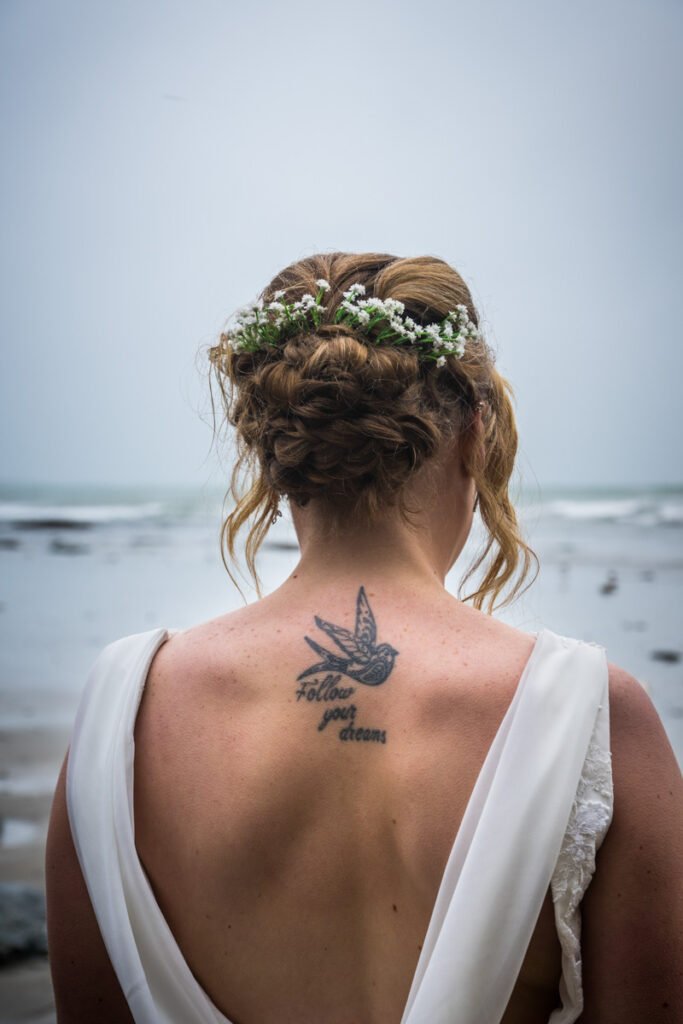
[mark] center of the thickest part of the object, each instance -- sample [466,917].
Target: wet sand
[25,986]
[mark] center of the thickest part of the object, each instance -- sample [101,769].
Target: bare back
[297,861]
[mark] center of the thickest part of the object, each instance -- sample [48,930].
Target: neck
[416,553]
[387,549]
[411,555]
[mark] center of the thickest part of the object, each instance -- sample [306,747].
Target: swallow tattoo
[361,658]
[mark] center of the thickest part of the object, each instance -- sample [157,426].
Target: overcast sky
[162,160]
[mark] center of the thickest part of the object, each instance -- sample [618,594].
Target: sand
[25,986]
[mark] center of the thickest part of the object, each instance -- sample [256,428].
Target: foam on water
[16,832]
[29,514]
[37,782]
[55,507]
[34,720]
[642,511]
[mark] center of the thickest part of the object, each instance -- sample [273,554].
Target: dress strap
[156,980]
[506,850]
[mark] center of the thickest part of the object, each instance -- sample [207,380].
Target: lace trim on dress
[589,821]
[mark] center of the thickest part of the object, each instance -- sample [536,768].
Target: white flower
[257,322]
[355,289]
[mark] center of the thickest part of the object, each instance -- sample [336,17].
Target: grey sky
[163,160]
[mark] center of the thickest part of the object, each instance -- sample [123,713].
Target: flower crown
[267,325]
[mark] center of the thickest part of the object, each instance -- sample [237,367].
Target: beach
[80,567]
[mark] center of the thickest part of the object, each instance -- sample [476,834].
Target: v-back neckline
[162,635]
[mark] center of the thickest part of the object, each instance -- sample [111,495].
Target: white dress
[539,810]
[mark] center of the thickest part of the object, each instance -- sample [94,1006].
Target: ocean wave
[32,720]
[16,832]
[22,515]
[672,514]
[38,782]
[636,511]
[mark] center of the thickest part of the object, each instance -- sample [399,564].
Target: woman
[360,799]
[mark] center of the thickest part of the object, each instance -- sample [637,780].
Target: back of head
[335,415]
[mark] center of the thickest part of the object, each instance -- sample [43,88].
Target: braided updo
[331,417]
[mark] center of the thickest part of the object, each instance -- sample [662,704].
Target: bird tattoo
[362,658]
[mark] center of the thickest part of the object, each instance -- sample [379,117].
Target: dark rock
[67,547]
[610,584]
[22,921]
[670,657]
[52,523]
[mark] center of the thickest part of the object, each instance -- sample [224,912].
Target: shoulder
[195,723]
[648,788]
[199,657]
[483,633]
[630,703]
[196,677]
[642,757]
[633,910]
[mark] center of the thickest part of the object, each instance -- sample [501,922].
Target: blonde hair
[329,417]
